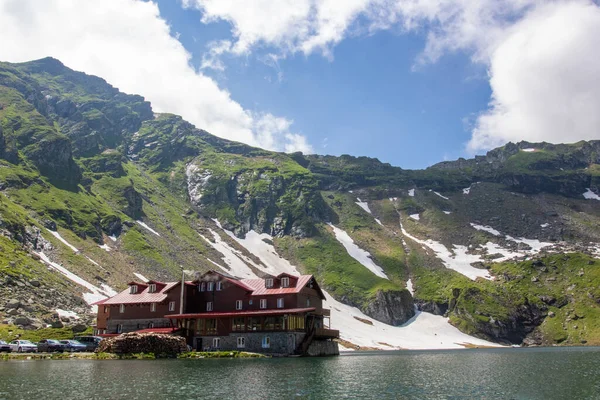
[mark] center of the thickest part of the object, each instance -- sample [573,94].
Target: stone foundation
[323,348]
[281,343]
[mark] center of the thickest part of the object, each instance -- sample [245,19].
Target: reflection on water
[564,373]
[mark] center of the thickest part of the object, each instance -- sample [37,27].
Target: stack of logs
[143,343]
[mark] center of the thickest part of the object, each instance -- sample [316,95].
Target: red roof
[157,330]
[125,297]
[99,302]
[259,289]
[278,311]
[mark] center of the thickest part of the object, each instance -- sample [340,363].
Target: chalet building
[281,314]
[144,305]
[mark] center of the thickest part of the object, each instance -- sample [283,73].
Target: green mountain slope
[95,183]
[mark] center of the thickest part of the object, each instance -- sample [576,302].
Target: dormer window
[269,282]
[152,288]
[203,286]
[285,282]
[211,286]
[219,286]
[133,289]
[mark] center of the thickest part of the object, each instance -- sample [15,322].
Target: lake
[532,373]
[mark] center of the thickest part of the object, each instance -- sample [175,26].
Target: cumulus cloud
[541,54]
[131,46]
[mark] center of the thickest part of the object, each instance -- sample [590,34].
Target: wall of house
[135,324]
[102,316]
[284,343]
[133,311]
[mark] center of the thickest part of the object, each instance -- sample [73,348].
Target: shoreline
[126,356]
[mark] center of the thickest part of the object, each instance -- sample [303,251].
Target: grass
[12,332]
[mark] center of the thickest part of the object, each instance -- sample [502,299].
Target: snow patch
[95,293]
[415,217]
[591,195]
[378,221]
[545,225]
[423,331]
[535,244]
[393,199]
[443,197]
[233,258]
[66,314]
[141,277]
[528,150]
[460,260]
[486,228]
[143,225]
[447,212]
[356,252]
[467,190]
[69,245]
[93,262]
[113,238]
[257,244]
[363,204]
[411,192]
[105,247]
[409,286]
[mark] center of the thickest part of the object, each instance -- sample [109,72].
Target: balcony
[324,333]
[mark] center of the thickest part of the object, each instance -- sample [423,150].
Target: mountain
[97,190]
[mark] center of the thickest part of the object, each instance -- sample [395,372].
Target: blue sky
[366,101]
[411,82]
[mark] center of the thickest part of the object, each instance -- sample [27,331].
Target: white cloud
[131,46]
[544,77]
[541,54]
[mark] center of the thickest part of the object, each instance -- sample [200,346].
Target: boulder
[57,324]
[22,321]
[393,307]
[78,328]
[13,303]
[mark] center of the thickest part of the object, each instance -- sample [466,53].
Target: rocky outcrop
[53,157]
[391,307]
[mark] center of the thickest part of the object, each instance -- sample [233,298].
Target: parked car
[73,345]
[23,346]
[91,342]
[4,347]
[49,345]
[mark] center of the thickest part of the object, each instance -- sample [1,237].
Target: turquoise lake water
[534,373]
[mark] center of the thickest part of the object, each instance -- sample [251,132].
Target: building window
[266,342]
[119,328]
[308,302]
[238,324]
[238,304]
[280,302]
[216,343]
[106,309]
[211,286]
[241,342]
[285,282]
[209,306]
[219,286]
[171,306]
[269,282]
[122,308]
[133,289]
[203,286]
[152,307]
[263,303]
[152,288]
[150,325]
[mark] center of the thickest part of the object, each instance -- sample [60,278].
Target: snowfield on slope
[363,204]
[356,252]
[69,245]
[143,225]
[95,293]
[591,195]
[231,257]
[423,331]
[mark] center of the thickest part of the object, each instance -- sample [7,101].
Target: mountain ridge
[137,192]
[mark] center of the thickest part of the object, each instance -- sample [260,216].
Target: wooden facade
[221,312]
